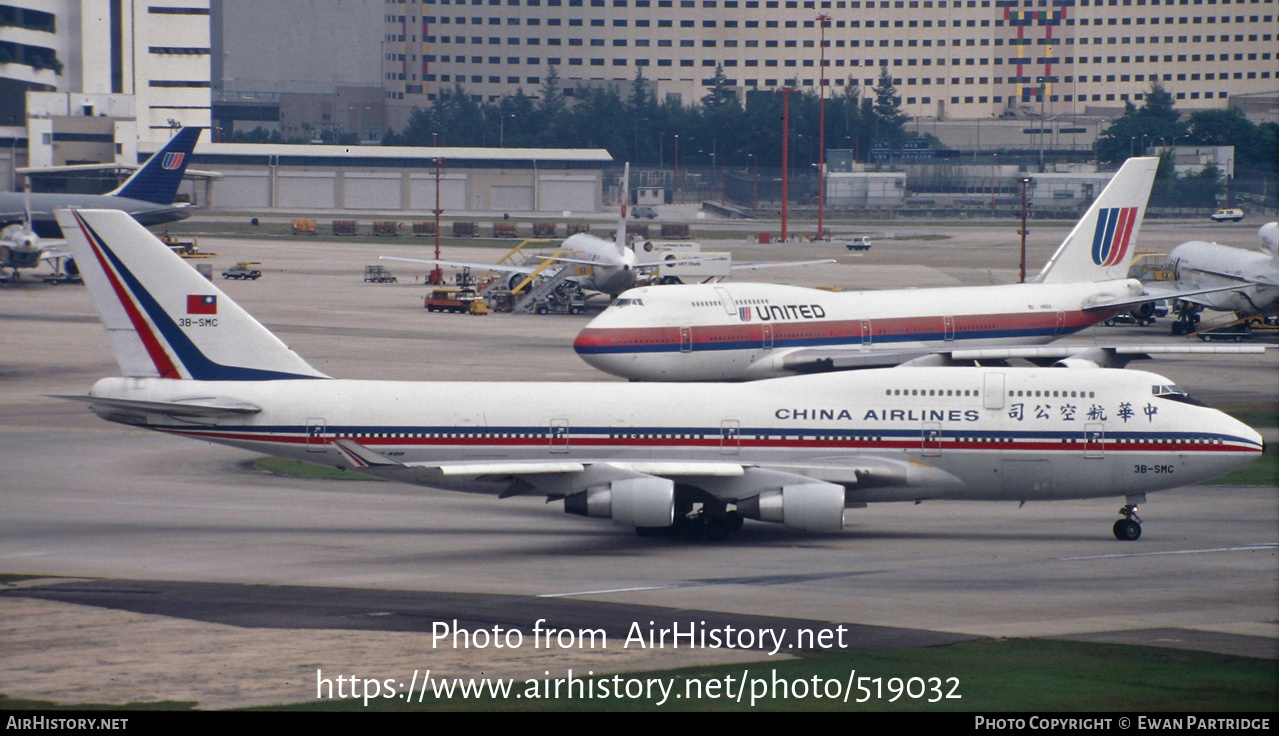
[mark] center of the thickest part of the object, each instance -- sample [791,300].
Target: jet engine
[815,507]
[640,502]
[1268,239]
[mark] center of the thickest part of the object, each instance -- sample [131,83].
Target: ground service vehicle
[1227,215]
[242,270]
[457,300]
[378,275]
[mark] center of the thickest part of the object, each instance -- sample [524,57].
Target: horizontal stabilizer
[199,408]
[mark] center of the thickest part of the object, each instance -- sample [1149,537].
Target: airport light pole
[501,130]
[437,274]
[675,184]
[822,20]
[1025,181]
[785,153]
[755,188]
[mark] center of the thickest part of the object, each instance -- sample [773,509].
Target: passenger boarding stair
[541,287]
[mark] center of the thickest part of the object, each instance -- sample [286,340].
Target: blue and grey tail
[158,179]
[1100,246]
[163,318]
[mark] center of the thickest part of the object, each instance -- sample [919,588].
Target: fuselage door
[992,395]
[1094,440]
[315,441]
[729,436]
[948,323]
[1061,323]
[559,435]
[932,439]
[686,339]
[766,341]
[866,332]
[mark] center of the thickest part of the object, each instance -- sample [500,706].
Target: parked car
[1231,215]
[647,213]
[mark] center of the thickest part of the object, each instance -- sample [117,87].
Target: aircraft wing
[745,266]
[1104,356]
[779,264]
[464,264]
[732,481]
[1251,280]
[1152,293]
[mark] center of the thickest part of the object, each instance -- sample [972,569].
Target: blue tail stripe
[153,182]
[192,359]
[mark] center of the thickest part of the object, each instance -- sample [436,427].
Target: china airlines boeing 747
[701,457]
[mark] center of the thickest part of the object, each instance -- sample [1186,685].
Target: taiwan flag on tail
[202,304]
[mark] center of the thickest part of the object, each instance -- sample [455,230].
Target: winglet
[158,179]
[163,318]
[1100,246]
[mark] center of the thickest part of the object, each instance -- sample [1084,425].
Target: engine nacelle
[1268,239]
[814,507]
[641,502]
[1075,363]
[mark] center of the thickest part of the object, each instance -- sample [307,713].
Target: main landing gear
[1128,529]
[711,524]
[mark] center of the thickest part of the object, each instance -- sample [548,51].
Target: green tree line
[720,131]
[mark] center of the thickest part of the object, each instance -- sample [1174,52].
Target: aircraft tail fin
[1100,246]
[163,318]
[158,179]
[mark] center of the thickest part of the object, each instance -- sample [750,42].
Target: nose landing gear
[1128,529]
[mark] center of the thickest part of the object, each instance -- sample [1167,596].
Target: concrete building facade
[949,59]
[99,80]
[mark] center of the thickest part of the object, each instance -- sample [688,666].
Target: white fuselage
[612,268]
[885,435]
[747,330]
[1209,265]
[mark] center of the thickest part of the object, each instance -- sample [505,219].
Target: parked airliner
[744,331]
[607,266]
[147,194]
[1252,278]
[701,457]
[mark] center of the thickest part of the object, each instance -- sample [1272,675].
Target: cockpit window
[1173,392]
[619,303]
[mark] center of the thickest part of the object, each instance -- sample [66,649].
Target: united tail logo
[172,161]
[1114,230]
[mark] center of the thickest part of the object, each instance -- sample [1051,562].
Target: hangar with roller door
[325,179]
